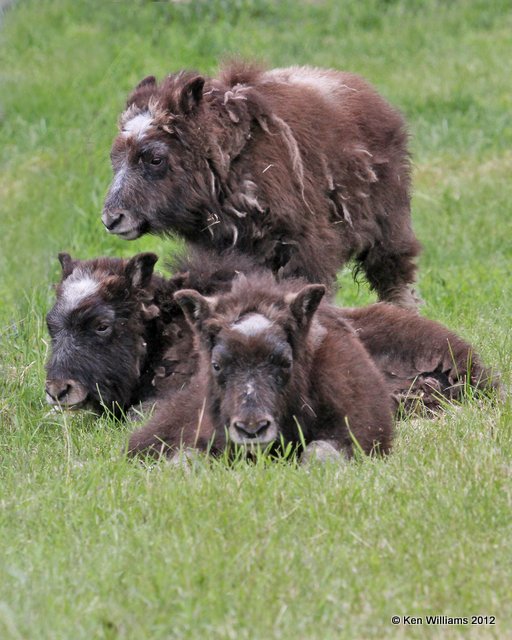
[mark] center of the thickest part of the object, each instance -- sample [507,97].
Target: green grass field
[95,546]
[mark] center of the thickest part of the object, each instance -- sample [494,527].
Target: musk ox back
[273,369]
[303,162]
[424,364]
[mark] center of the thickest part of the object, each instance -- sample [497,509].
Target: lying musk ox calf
[102,332]
[423,363]
[117,336]
[272,365]
[308,160]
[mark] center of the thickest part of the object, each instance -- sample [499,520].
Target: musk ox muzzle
[69,394]
[257,430]
[122,222]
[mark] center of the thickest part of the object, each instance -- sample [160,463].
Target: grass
[94,546]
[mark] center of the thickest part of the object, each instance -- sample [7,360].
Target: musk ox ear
[67,264]
[191,94]
[148,80]
[150,311]
[196,308]
[304,304]
[140,269]
[142,92]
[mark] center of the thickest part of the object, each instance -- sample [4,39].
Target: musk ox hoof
[320,451]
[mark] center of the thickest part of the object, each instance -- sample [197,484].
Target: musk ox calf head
[158,159]
[255,361]
[97,331]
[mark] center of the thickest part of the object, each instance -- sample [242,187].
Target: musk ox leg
[321,451]
[391,273]
[177,443]
[178,425]
[152,440]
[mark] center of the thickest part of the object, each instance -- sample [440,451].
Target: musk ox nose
[58,389]
[252,429]
[112,218]
[66,392]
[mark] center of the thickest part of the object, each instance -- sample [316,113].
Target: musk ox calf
[117,336]
[423,363]
[103,332]
[273,369]
[305,163]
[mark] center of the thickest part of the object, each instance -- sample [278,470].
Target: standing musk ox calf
[305,162]
[274,368]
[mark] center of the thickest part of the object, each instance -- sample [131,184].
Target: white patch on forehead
[138,125]
[77,287]
[252,324]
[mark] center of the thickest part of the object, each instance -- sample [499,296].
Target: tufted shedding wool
[302,168]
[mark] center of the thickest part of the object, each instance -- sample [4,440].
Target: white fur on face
[118,180]
[77,287]
[138,125]
[252,324]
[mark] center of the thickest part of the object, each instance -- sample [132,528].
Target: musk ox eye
[156,162]
[280,361]
[216,366]
[102,328]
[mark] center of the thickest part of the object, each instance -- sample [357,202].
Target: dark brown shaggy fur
[307,163]
[150,350]
[127,340]
[301,370]
[422,361]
